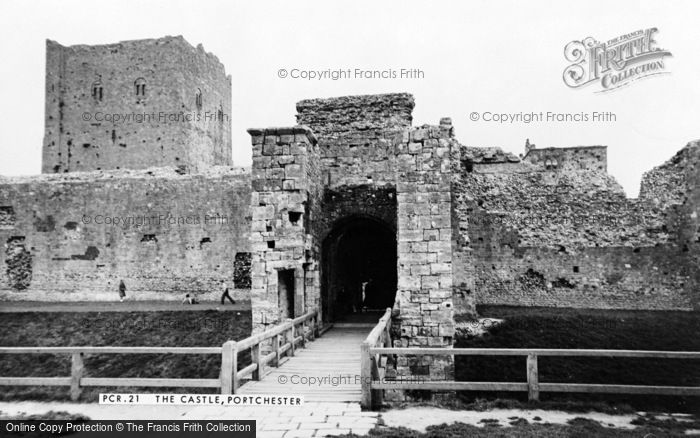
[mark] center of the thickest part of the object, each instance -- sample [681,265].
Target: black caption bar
[119,428]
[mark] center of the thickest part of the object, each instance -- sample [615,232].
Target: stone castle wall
[356,136]
[567,236]
[424,187]
[286,192]
[135,104]
[72,237]
[572,159]
[357,166]
[473,225]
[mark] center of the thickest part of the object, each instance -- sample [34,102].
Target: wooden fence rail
[374,358]
[284,339]
[533,386]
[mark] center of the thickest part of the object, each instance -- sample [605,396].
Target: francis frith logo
[614,63]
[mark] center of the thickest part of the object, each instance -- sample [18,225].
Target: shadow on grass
[165,329]
[587,329]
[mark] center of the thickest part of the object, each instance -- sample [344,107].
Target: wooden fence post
[276,350]
[533,384]
[317,326]
[76,373]
[229,367]
[293,335]
[256,358]
[303,334]
[365,375]
[312,331]
[234,380]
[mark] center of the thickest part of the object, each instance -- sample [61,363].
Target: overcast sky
[477,56]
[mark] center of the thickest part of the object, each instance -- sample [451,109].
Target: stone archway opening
[358,270]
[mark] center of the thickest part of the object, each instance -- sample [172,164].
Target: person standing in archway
[367,287]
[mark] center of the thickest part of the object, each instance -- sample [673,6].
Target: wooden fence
[284,339]
[372,365]
[374,358]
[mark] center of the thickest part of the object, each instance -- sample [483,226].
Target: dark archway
[358,268]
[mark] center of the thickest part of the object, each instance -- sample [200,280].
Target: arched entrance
[358,269]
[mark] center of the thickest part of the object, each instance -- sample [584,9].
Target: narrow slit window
[140,86]
[198,99]
[97,91]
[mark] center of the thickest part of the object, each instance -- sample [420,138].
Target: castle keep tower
[135,104]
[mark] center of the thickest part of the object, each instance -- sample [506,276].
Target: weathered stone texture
[19,263]
[356,135]
[285,278]
[175,234]
[166,123]
[592,159]
[367,200]
[424,306]
[571,228]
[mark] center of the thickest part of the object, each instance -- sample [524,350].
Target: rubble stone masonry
[555,232]
[72,237]
[285,276]
[135,104]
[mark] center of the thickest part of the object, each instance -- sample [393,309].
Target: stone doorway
[285,293]
[358,269]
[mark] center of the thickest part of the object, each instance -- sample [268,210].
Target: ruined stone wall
[424,237]
[673,189]
[356,136]
[424,306]
[133,105]
[566,237]
[286,193]
[575,159]
[72,237]
[357,167]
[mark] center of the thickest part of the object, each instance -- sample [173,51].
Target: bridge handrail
[292,332]
[285,340]
[371,367]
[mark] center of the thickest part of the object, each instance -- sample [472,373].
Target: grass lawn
[588,329]
[182,329]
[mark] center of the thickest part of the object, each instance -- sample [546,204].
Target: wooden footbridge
[326,370]
[341,363]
